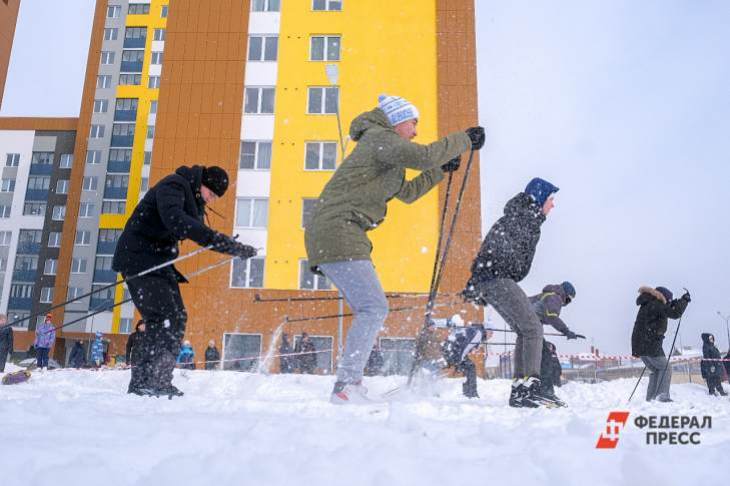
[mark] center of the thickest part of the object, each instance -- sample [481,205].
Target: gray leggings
[659,381]
[361,287]
[510,301]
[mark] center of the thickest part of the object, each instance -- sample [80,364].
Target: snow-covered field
[80,427]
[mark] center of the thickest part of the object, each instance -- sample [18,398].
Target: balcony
[135,42]
[105,276]
[36,195]
[119,166]
[100,303]
[41,169]
[115,193]
[131,67]
[28,248]
[24,276]
[18,303]
[125,115]
[106,247]
[122,140]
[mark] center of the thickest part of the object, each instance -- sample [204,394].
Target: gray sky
[622,104]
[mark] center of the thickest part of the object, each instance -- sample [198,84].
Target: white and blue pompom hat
[397,109]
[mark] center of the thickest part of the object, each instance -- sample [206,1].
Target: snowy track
[80,427]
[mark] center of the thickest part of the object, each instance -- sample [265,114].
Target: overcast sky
[622,104]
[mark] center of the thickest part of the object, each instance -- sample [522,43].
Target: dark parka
[651,321]
[76,359]
[171,211]
[710,369]
[212,358]
[134,347]
[550,369]
[355,199]
[548,305]
[6,338]
[509,248]
[308,358]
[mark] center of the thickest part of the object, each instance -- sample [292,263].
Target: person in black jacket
[308,357]
[212,356]
[135,353]
[550,369]
[655,307]
[285,361]
[170,212]
[504,259]
[711,370]
[77,359]
[6,341]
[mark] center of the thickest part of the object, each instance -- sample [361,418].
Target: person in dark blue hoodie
[170,212]
[711,366]
[504,259]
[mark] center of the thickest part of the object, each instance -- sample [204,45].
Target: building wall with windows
[8,19]
[36,160]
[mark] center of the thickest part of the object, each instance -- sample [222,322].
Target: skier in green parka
[355,201]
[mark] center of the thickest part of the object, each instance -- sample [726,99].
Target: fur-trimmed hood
[646,293]
[706,338]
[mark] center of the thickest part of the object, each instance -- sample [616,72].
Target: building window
[323,352]
[398,355]
[111,34]
[327,5]
[113,207]
[101,106]
[93,157]
[21,291]
[86,210]
[263,48]
[308,205]
[241,351]
[248,273]
[124,130]
[265,5]
[42,158]
[153,107]
[156,58]
[323,100]
[12,160]
[7,185]
[120,155]
[74,292]
[54,239]
[26,263]
[97,131]
[50,267]
[255,155]
[46,295]
[163,12]
[159,34]
[150,131]
[83,238]
[139,9]
[125,325]
[324,48]
[113,11]
[135,33]
[107,57]
[67,161]
[130,79]
[154,82]
[320,155]
[3,266]
[90,183]
[5,237]
[147,158]
[78,265]
[104,81]
[251,212]
[311,281]
[259,101]
[37,209]
[4,211]
[59,213]
[117,181]
[107,237]
[62,186]
[145,184]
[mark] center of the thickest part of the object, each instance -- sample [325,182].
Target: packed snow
[80,427]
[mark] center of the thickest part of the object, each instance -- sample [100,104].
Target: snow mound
[80,427]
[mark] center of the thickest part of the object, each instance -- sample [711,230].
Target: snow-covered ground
[80,427]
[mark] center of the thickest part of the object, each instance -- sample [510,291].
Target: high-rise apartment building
[264,88]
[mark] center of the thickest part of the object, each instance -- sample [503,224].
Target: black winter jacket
[509,248]
[171,211]
[710,369]
[212,358]
[651,321]
[6,338]
[548,305]
[76,358]
[134,347]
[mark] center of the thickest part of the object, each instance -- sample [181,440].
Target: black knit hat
[215,179]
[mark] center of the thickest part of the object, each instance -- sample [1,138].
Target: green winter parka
[355,200]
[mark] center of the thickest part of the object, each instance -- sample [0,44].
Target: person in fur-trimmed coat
[655,307]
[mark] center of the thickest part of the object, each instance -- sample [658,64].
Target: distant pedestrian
[76,359]
[97,350]
[45,337]
[286,364]
[307,354]
[186,358]
[711,366]
[6,341]
[212,356]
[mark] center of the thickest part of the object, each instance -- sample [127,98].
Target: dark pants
[470,372]
[4,353]
[714,384]
[157,298]
[42,357]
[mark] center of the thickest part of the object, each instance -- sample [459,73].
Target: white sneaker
[349,393]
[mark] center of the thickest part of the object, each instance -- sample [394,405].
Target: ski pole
[259,299]
[637,384]
[118,282]
[511,331]
[110,307]
[350,314]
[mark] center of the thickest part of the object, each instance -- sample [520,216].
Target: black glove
[225,244]
[452,165]
[687,297]
[571,335]
[476,135]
